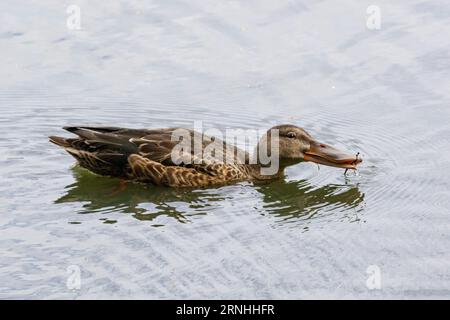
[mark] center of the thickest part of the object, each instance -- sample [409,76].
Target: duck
[157,156]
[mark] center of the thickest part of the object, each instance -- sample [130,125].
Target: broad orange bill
[330,156]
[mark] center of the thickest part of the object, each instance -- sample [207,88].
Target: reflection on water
[103,194]
[301,200]
[288,200]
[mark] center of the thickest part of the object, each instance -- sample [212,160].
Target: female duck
[148,155]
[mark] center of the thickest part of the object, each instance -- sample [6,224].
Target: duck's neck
[259,172]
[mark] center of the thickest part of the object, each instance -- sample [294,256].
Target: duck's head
[296,145]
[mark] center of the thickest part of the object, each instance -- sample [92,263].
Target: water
[230,64]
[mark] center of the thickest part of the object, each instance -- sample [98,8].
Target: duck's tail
[99,150]
[59,141]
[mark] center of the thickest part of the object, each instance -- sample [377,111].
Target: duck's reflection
[145,202]
[285,199]
[301,200]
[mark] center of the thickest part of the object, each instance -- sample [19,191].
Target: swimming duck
[154,156]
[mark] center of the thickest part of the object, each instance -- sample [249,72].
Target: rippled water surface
[230,64]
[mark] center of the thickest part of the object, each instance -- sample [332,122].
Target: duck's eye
[291,135]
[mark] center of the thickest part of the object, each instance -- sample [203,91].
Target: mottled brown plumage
[145,155]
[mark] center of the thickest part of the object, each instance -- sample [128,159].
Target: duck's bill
[329,156]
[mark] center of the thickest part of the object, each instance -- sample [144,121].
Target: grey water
[382,232]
